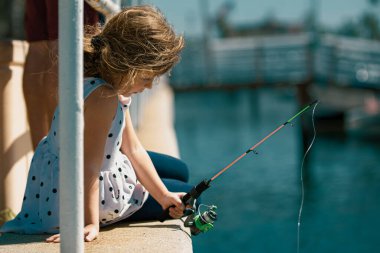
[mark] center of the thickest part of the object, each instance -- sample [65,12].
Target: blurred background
[250,65]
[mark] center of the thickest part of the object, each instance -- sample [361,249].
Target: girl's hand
[54,238]
[174,199]
[91,232]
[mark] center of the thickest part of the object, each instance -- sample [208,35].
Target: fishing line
[302,182]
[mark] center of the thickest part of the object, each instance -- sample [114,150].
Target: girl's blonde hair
[136,40]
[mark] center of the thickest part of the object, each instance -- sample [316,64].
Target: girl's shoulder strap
[91,84]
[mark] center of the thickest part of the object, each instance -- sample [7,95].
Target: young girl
[122,59]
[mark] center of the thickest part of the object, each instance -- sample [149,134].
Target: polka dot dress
[120,193]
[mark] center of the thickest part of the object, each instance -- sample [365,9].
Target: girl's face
[143,81]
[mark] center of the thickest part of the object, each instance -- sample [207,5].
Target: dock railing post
[71,125]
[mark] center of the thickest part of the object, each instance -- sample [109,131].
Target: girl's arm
[145,171]
[99,112]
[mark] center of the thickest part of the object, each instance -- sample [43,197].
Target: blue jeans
[175,175]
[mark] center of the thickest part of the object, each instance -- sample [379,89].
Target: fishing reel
[201,222]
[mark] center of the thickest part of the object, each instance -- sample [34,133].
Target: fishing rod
[209,216]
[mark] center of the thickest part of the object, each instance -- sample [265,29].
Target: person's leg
[151,209]
[40,70]
[51,80]
[169,167]
[36,92]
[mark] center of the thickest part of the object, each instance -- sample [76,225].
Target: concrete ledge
[149,237]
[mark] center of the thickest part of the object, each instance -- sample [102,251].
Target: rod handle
[165,214]
[194,193]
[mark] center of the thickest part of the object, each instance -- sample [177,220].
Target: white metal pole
[71,125]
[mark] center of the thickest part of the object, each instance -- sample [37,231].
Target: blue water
[258,198]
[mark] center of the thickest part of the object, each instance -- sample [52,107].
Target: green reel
[202,222]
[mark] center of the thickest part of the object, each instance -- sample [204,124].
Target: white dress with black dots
[120,193]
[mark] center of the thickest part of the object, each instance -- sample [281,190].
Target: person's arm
[107,10]
[146,173]
[98,115]
[99,112]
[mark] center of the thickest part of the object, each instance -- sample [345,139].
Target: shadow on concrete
[12,238]
[140,224]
